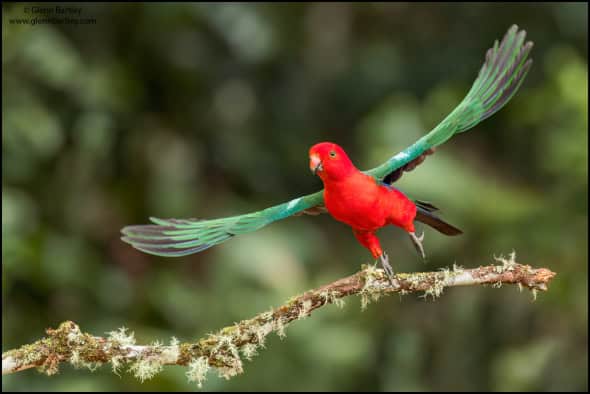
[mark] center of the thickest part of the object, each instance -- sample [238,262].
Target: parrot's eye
[332,153]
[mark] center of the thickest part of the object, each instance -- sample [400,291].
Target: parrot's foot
[387,267]
[417,241]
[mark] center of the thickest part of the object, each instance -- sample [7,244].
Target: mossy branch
[224,350]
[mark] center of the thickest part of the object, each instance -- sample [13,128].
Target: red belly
[365,205]
[361,215]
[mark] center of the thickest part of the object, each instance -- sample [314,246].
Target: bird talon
[387,267]
[417,241]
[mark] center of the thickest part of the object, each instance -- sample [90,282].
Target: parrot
[367,204]
[365,200]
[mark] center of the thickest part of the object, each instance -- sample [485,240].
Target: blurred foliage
[208,110]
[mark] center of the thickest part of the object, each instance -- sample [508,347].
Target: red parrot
[366,204]
[363,200]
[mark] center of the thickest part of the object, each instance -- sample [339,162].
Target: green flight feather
[503,72]
[180,237]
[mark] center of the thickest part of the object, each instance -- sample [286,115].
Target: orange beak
[315,164]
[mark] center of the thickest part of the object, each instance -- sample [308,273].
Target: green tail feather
[498,80]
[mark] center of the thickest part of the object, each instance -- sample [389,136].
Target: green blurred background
[196,110]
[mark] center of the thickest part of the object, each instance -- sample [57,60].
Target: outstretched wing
[504,70]
[500,77]
[180,237]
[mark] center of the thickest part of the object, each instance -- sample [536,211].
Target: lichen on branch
[224,350]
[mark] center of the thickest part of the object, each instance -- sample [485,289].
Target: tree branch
[222,350]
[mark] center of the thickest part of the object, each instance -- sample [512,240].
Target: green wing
[179,237]
[503,72]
